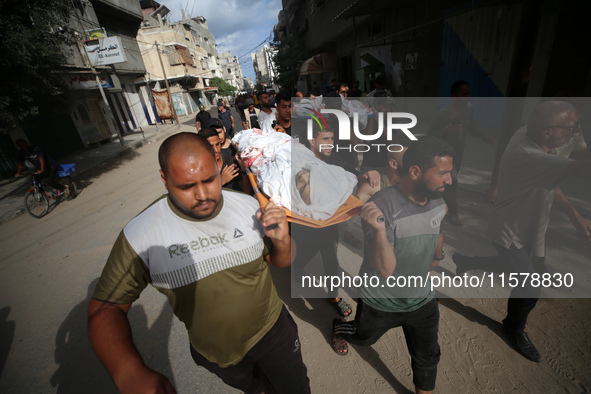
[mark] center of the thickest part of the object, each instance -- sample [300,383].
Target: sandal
[341,306]
[340,346]
[351,240]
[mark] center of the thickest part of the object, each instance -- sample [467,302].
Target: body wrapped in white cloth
[276,161]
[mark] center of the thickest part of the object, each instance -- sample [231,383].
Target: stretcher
[349,209]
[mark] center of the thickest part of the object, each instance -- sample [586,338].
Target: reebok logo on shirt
[201,243]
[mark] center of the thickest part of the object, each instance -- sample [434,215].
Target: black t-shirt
[230,151]
[226,118]
[354,93]
[228,160]
[241,106]
[201,117]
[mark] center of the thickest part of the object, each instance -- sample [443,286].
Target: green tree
[288,59]
[224,88]
[34,39]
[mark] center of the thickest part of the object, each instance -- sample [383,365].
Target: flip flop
[340,346]
[342,307]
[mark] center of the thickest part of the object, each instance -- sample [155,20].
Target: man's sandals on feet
[340,346]
[341,306]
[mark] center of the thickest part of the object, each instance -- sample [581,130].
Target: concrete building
[105,47]
[231,70]
[264,67]
[517,48]
[248,84]
[185,51]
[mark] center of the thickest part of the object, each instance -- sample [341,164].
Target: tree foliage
[224,88]
[288,59]
[34,39]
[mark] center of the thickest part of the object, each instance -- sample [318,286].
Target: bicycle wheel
[73,188]
[36,203]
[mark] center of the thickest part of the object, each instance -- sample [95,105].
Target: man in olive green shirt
[202,247]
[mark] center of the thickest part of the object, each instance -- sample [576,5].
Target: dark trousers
[273,365]
[523,298]
[310,241]
[420,329]
[49,177]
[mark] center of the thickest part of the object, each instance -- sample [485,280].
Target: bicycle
[37,197]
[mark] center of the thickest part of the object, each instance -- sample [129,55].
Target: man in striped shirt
[207,250]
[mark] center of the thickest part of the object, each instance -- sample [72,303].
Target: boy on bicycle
[44,164]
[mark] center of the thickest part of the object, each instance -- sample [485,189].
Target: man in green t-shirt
[402,243]
[207,250]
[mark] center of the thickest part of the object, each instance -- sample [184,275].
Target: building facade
[94,116]
[264,67]
[186,52]
[516,48]
[231,70]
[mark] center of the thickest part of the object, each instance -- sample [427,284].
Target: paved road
[49,267]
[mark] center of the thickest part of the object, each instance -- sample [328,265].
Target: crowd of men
[206,243]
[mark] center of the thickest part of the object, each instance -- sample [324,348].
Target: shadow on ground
[79,369]
[86,178]
[319,313]
[7,328]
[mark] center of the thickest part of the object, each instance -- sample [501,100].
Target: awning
[369,58]
[206,89]
[323,62]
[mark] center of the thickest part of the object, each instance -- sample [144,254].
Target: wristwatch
[442,256]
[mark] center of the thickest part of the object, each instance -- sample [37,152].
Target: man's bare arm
[579,169]
[380,253]
[109,332]
[42,164]
[19,168]
[438,252]
[366,191]
[275,225]
[582,226]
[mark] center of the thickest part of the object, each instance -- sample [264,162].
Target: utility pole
[176,118]
[98,82]
[104,96]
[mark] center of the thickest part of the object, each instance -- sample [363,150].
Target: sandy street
[48,268]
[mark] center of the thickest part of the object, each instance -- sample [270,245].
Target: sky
[238,26]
